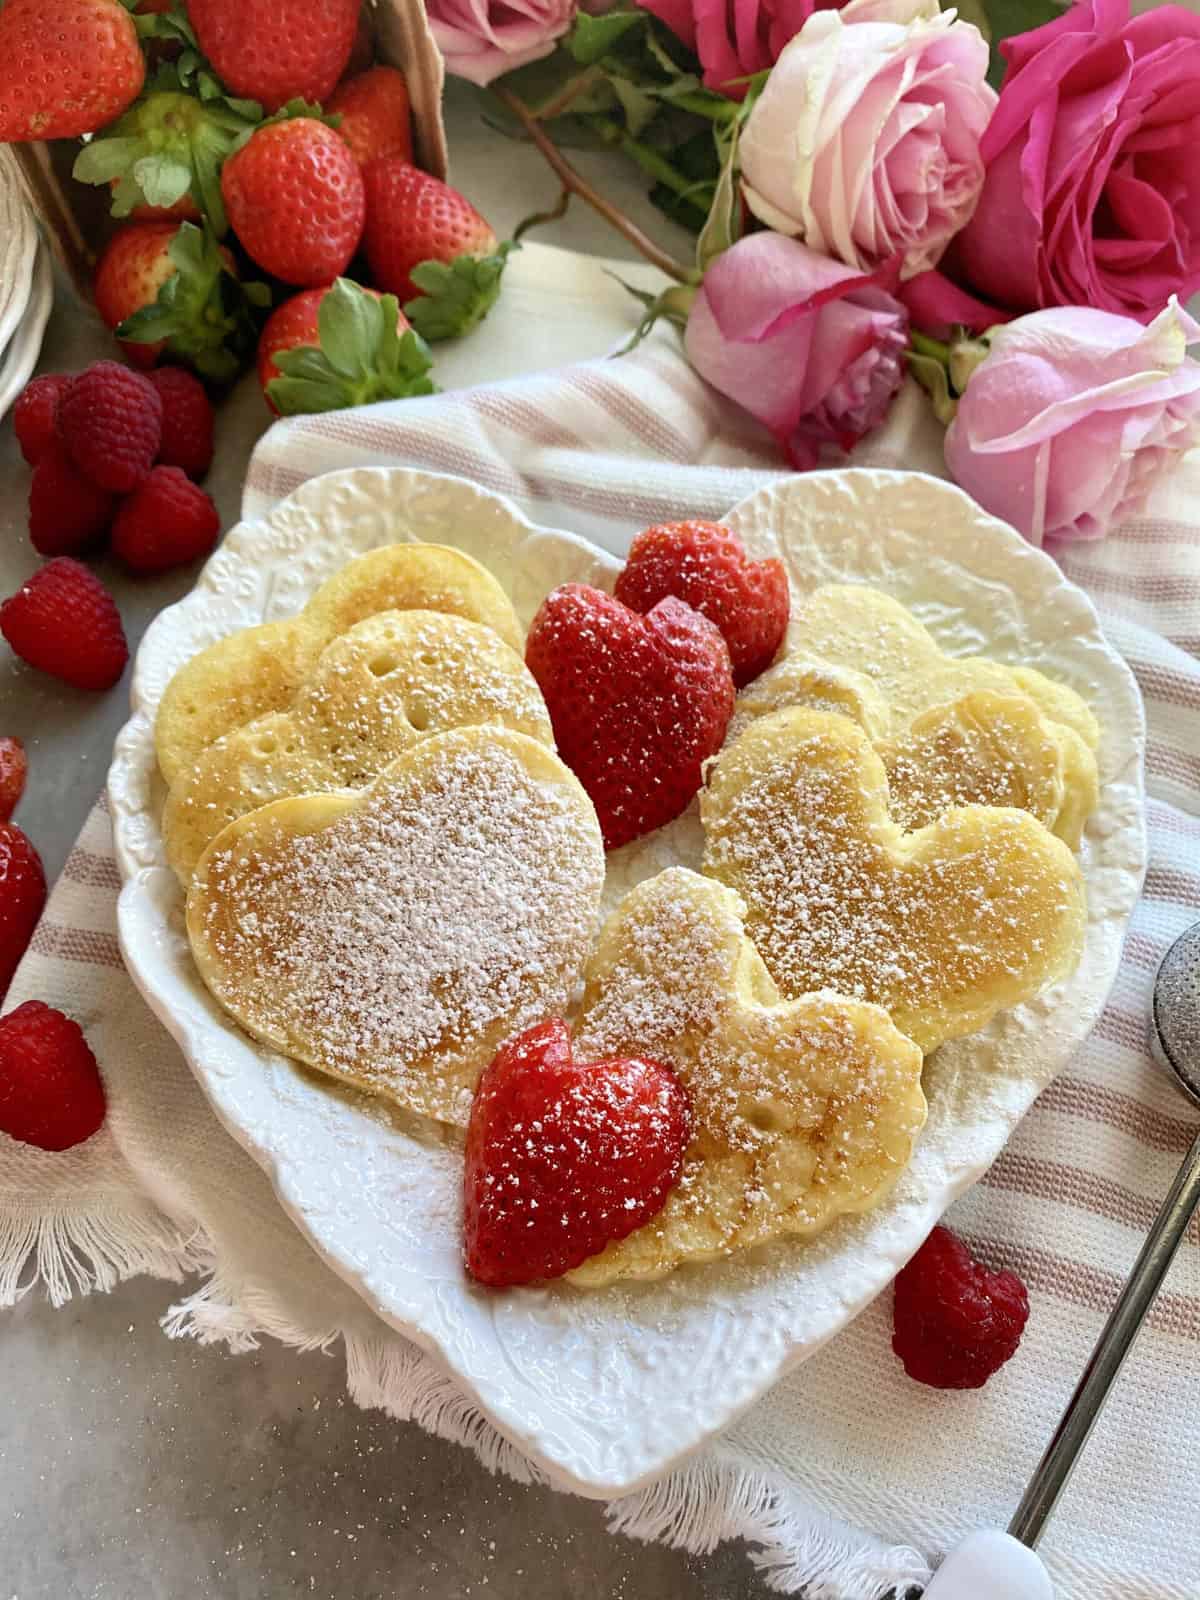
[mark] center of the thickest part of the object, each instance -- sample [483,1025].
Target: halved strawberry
[563,1157]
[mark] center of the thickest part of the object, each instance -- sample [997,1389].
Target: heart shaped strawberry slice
[637,704]
[562,1157]
[707,565]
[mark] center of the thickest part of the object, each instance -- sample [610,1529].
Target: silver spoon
[1175,1039]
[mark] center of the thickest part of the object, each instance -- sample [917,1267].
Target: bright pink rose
[482,39]
[810,347]
[1093,165]
[865,141]
[735,38]
[1074,414]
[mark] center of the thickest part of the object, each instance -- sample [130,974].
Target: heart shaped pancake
[395,937]
[802,1110]
[376,689]
[849,629]
[259,670]
[943,927]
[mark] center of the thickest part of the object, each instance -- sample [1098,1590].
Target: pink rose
[734,38]
[1074,414]
[1093,173]
[811,348]
[482,39]
[865,140]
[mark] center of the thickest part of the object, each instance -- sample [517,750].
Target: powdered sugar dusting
[942,928]
[800,1111]
[398,946]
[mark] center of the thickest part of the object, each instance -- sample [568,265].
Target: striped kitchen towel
[847,1479]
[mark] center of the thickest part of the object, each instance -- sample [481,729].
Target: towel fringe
[77,1252]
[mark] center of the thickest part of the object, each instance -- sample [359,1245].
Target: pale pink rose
[482,39]
[810,347]
[1073,417]
[1092,194]
[734,38]
[865,141]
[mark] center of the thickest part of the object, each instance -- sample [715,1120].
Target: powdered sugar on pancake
[403,940]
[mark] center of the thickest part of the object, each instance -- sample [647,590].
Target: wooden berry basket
[75,216]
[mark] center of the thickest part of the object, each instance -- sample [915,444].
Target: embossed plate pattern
[606,1390]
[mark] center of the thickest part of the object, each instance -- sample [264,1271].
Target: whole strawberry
[706,565]
[169,287]
[66,67]
[68,513]
[162,159]
[187,428]
[294,196]
[274,51]
[637,704]
[14,768]
[429,246]
[64,622]
[954,1321]
[563,1158]
[51,1093]
[22,896]
[110,420]
[165,523]
[376,118]
[326,349]
[35,414]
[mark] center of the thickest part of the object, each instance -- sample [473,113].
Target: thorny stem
[649,160]
[575,183]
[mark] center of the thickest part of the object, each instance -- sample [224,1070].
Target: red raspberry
[13,770]
[65,622]
[166,523]
[35,415]
[67,512]
[22,896]
[111,421]
[187,425]
[954,1321]
[51,1094]
[562,1158]
[638,704]
[706,565]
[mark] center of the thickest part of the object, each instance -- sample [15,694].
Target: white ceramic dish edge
[502,1348]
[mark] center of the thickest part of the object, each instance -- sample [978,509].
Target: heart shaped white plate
[605,1390]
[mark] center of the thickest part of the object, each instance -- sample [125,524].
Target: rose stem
[568,94]
[574,183]
[649,160]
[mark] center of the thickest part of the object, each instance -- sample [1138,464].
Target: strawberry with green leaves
[429,246]
[66,67]
[166,287]
[341,346]
[167,150]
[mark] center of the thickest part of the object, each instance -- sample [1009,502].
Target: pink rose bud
[481,39]
[1092,194]
[810,347]
[1074,416]
[865,140]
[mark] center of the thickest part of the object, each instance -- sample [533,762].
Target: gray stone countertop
[135,1468]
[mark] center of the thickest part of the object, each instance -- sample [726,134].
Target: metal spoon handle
[1149,1270]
